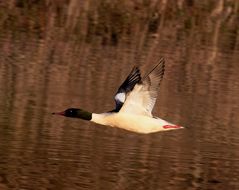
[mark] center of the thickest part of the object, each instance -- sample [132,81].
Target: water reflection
[61,54]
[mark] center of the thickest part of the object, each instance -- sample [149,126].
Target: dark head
[76,113]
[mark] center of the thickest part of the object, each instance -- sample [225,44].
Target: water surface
[55,55]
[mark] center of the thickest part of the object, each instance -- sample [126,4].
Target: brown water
[59,54]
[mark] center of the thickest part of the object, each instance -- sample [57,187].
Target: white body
[137,104]
[133,122]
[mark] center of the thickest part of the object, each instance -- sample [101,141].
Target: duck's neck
[85,115]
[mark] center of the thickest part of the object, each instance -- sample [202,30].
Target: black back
[133,78]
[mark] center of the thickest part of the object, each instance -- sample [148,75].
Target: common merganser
[134,101]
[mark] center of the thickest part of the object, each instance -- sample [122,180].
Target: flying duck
[134,102]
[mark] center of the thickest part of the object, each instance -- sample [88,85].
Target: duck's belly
[137,123]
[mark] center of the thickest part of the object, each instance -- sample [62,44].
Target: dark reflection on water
[61,54]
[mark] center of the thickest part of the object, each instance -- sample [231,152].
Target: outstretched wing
[126,87]
[142,98]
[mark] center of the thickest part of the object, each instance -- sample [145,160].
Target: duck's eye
[69,111]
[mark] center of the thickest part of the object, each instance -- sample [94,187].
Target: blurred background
[56,54]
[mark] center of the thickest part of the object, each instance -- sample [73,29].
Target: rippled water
[59,54]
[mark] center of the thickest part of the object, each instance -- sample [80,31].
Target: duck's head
[75,113]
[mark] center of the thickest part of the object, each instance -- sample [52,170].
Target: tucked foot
[172,127]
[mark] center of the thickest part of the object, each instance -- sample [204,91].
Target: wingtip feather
[160,65]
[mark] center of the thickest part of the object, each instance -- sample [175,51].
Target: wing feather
[132,79]
[142,98]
